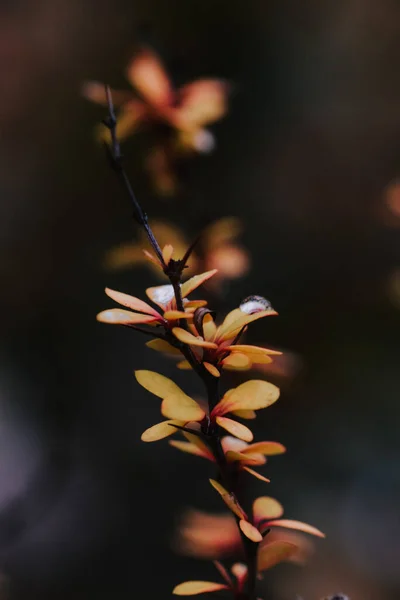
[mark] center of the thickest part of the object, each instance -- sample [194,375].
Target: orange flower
[219,344]
[217,249]
[180,409]
[237,452]
[163,296]
[185,111]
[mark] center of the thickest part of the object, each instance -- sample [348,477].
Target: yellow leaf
[229,499]
[297,525]
[160,431]
[273,553]
[184,365]
[190,448]
[158,384]
[189,286]
[167,253]
[163,346]
[254,350]
[173,315]
[253,395]
[265,448]
[188,338]
[236,360]
[234,428]
[182,407]
[117,316]
[250,531]
[212,369]
[131,302]
[256,474]
[191,588]
[244,414]
[266,508]
[233,328]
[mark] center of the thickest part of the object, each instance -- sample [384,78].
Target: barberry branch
[173,270]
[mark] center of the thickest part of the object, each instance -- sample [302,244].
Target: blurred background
[308,159]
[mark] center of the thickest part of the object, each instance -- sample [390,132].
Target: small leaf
[167,253]
[131,302]
[117,316]
[212,369]
[158,384]
[236,360]
[190,448]
[163,346]
[188,338]
[174,315]
[182,407]
[273,553]
[253,395]
[160,431]
[250,531]
[256,474]
[229,499]
[244,413]
[266,508]
[191,588]
[229,331]
[234,428]
[297,525]
[184,365]
[265,448]
[224,573]
[189,286]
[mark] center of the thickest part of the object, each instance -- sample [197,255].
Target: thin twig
[174,271]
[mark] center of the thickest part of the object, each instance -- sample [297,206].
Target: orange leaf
[265,448]
[172,315]
[297,525]
[273,553]
[254,350]
[184,365]
[158,384]
[250,531]
[167,253]
[266,508]
[191,588]
[131,302]
[253,395]
[236,360]
[224,573]
[181,407]
[229,499]
[230,330]
[160,431]
[211,369]
[190,448]
[163,346]
[162,295]
[188,338]
[191,284]
[256,474]
[244,413]
[117,316]
[234,428]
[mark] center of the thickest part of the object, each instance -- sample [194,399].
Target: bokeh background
[308,159]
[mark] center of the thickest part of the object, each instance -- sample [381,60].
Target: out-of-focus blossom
[181,410]
[216,536]
[269,554]
[266,512]
[217,248]
[184,112]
